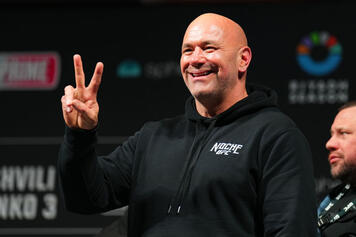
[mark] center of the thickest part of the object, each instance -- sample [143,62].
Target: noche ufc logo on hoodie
[222,148]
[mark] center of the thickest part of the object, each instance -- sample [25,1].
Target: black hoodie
[245,172]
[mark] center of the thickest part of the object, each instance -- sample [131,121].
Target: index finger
[79,73]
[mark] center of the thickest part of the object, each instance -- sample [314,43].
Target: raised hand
[79,105]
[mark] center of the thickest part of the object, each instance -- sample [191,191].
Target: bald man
[232,165]
[337,212]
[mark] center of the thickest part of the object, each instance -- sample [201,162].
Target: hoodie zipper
[193,158]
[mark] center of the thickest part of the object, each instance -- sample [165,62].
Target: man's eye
[210,48]
[186,51]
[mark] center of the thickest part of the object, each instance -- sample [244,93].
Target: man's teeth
[200,74]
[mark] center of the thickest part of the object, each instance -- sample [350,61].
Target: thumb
[69,116]
[87,118]
[80,106]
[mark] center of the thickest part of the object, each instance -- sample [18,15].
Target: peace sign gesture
[79,105]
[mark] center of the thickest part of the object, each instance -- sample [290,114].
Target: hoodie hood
[258,97]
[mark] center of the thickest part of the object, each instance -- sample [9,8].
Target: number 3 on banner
[50,210]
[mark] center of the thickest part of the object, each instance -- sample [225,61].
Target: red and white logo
[29,71]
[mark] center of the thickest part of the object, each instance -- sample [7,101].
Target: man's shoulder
[345,226]
[166,123]
[273,118]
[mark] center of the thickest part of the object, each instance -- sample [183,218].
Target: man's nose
[331,144]
[197,57]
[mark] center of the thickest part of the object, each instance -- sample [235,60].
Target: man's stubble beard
[346,173]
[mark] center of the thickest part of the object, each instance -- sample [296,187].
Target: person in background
[337,215]
[232,165]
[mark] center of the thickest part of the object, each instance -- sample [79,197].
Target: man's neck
[214,107]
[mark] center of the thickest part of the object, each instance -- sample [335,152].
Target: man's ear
[245,55]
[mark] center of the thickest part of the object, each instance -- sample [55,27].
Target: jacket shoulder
[169,125]
[273,119]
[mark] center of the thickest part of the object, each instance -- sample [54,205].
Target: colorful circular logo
[310,61]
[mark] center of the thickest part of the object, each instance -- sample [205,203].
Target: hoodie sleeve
[86,180]
[288,192]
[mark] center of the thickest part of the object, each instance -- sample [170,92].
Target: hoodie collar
[258,97]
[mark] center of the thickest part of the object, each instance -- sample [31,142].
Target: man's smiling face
[209,58]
